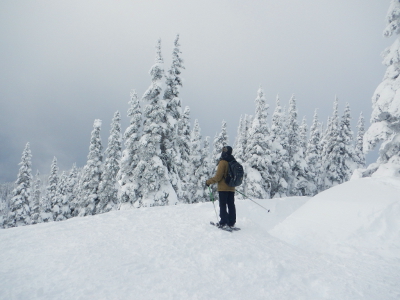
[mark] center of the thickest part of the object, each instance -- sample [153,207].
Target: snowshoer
[227,209]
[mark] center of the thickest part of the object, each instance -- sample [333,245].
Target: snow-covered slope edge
[362,213]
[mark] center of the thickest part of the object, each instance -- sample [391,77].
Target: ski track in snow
[173,253]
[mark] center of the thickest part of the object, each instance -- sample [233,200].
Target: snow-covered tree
[108,191]
[346,157]
[385,117]
[298,184]
[35,203]
[49,201]
[220,141]
[19,213]
[194,195]
[183,142]
[359,150]
[173,112]
[258,155]
[279,168]
[61,209]
[313,156]
[151,174]
[203,173]
[129,193]
[330,150]
[71,192]
[91,174]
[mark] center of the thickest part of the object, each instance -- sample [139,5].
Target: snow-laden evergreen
[72,192]
[194,191]
[298,184]
[153,181]
[108,191]
[173,112]
[49,200]
[221,139]
[183,163]
[258,152]
[359,147]
[385,117]
[346,159]
[61,210]
[313,157]
[331,150]
[35,203]
[19,211]
[91,174]
[279,168]
[127,177]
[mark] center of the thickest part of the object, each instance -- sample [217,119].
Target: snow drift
[173,253]
[360,213]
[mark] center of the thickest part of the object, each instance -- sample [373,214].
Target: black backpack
[235,174]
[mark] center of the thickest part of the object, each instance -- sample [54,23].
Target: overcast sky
[64,64]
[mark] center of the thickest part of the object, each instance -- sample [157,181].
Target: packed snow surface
[341,244]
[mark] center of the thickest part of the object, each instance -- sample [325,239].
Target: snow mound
[362,213]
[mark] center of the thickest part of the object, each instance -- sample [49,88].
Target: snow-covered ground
[341,244]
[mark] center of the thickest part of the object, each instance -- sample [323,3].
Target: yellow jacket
[222,172]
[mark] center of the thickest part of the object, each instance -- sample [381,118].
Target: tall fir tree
[346,155]
[61,205]
[91,174]
[203,172]
[153,181]
[298,184]
[194,195]
[258,152]
[313,156]
[129,193]
[19,211]
[359,150]
[173,112]
[72,191]
[183,164]
[35,204]
[51,193]
[279,168]
[385,117]
[220,141]
[108,191]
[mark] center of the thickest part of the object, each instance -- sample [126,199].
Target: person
[227,209]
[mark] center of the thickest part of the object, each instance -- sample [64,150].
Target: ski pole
[212,200]
[253,201]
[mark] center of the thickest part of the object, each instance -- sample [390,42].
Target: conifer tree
[313,156]
[183,141]
[241,138]
[72,190]
[279,168]
[220,141]
[203,173]
[108,192]
[151,173]
[19,211]
[298,184]
[258,155]
[130,191]
[330,150]
[346,155]
[359,150]
[173,112]
[48,201]
[194,195]
[35,204]
[61,205]
[385,117]
[91,174]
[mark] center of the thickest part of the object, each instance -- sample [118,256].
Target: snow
[341,244]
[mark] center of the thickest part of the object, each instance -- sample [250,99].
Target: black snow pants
[227,201]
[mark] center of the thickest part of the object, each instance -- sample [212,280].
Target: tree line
[160,159]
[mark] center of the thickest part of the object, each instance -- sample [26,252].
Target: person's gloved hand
[207,184]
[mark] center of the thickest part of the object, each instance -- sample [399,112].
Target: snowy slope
[173,253]
[362,213]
